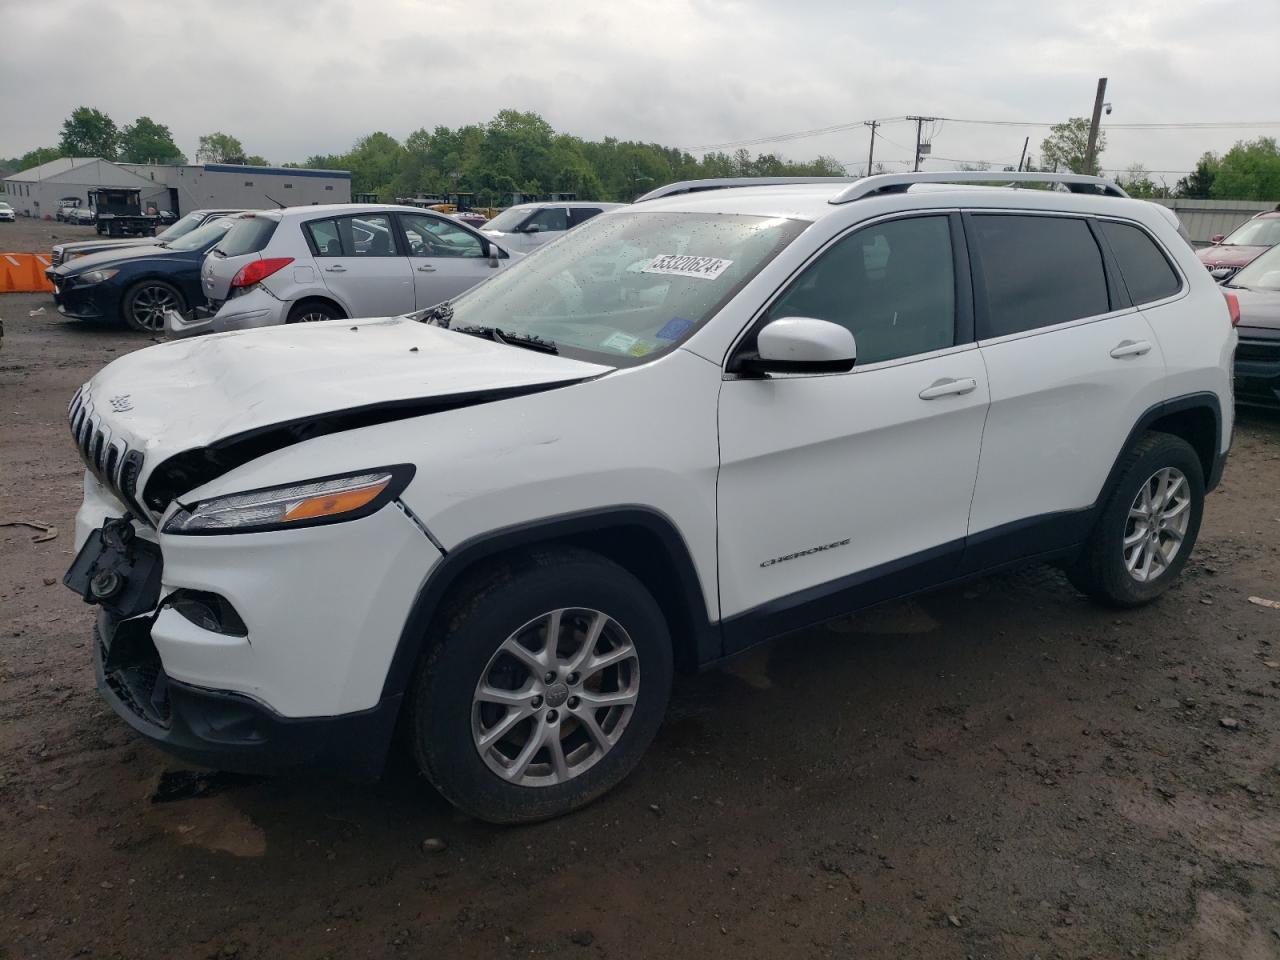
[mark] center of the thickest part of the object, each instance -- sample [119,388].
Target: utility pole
[920,122]
[871,151]
[1091,150]
[1022,159]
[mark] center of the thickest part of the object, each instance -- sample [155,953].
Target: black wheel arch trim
[1189,401]
[704,646]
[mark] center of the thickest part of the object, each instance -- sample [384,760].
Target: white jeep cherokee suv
[712,418]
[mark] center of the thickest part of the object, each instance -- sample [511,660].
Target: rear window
[1146,270]
[247,235]
[1039,271]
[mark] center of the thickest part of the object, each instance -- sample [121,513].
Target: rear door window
[247,235]
[1147,272]
[1036,272]
[368,235]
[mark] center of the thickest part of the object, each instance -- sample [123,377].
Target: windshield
[628,286]
[509,219]
[196,239]
[1256,233]
[181,228]
[4,206]
[1262,274]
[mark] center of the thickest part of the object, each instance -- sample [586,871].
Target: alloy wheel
[1157,524]
[555,697]
[150,304]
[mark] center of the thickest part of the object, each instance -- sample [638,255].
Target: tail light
[1233,307]
[259,270]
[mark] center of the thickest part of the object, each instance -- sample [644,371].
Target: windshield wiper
[527,340]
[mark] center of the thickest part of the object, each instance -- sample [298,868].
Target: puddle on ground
[214,824]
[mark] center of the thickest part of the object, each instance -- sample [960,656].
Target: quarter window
[324,238]
[892,285]
[1038,272]
[1146,270]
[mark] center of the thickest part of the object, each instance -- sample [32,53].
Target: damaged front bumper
[283,668]
[224,730]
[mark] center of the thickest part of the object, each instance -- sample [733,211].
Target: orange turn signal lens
[333,504]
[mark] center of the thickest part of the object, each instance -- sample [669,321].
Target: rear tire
[475,708]
[144,305]
[1147,527]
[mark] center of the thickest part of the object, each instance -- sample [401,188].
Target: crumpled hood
[1229,255]
[209,392]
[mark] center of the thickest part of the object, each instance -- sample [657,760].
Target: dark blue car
[137,284]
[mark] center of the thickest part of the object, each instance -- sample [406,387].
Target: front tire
[145,304]
[548,680]
[1147,527]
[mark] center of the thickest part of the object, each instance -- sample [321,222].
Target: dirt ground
[997,770]
[38,236]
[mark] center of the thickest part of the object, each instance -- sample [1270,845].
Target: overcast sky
[292,78]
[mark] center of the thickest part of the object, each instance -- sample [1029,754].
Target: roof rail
[723,183]
[899,182]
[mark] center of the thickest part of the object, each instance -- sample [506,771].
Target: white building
[36,192]
[179,188]
[231,185]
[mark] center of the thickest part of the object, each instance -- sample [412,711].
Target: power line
[840,127]
[796,135]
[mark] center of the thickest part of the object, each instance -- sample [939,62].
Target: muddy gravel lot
[996,770]
[26,235]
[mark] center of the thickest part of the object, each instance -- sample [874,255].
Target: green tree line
[519,152]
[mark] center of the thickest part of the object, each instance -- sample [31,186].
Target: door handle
[1130,348]
[336,268]
[948,388]
[426,268]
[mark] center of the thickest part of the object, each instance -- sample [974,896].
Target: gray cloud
[292,78]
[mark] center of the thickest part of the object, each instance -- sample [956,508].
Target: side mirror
[1217,238]
[530,228]
[802,345]
[493,252]
[1222,273]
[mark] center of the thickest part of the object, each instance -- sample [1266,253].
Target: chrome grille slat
[110,460]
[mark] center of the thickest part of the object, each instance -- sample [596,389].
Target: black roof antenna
[274,200]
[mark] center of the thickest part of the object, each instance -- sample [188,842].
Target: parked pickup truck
[119,212]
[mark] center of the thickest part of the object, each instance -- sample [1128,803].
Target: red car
[1246,242]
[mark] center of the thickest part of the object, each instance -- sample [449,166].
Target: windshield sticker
[641,349]
[703,268]
[676,328]
[622,342]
